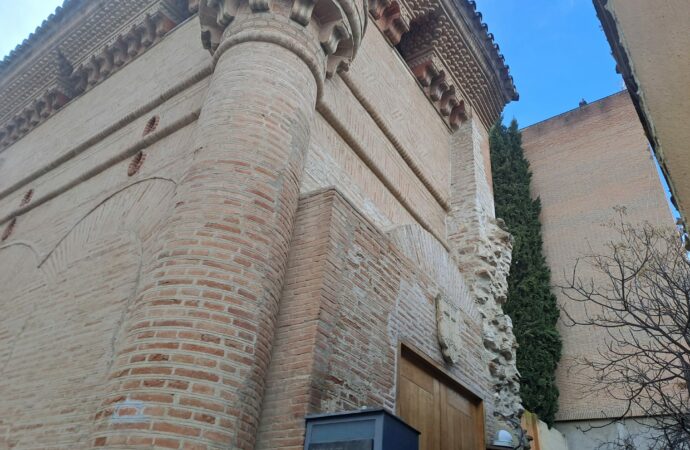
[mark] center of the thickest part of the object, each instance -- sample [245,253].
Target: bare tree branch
[641,297]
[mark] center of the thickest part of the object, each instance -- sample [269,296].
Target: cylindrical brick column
[196,345]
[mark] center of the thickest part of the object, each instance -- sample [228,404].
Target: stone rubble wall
[482,250]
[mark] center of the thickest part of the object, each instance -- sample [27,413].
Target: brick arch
[57,371]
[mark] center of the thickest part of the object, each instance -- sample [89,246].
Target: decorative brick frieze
[449,49]
[120,52]
[77,61]
[430,35]
[391,17]
[436,80]
[469,65]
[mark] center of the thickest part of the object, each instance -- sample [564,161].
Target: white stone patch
[449,323]
[122,412]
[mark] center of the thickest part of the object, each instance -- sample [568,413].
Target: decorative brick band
[347,137]
[108,131]
[434,76]
[115,159]
[466,65]
[392,18]
[69,80]
[359,95]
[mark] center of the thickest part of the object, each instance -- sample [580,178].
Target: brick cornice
[79,46]
[444,42]
[451,52]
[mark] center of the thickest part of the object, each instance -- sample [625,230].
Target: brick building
[649,42]
[218,217]
[584,163]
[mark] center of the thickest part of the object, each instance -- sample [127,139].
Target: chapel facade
[221,216]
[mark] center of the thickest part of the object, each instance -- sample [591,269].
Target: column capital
[337,25]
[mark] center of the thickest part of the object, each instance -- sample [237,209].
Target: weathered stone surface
[481,248]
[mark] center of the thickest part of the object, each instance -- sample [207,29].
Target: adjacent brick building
[221,216]
[646,38]
[584,163]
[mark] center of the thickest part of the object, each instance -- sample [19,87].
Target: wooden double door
[448,417]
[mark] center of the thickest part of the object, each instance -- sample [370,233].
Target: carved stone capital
[337,25]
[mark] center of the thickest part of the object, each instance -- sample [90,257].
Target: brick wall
[71,269]
[585,162]
[64,315]
[350,298]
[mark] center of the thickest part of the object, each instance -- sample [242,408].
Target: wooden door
[418,404]
[447,417]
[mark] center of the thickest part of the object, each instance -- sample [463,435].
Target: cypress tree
[531,304]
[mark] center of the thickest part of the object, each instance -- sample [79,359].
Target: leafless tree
[624,443]
[638,290]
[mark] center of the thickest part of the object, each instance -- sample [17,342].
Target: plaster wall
[654,38]
[551,438]
[591,434]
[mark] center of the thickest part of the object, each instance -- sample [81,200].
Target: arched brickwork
[83,288]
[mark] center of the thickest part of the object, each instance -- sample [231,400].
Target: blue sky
[20,18]
[557,52]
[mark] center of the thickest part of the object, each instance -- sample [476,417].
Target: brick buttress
[196,345]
